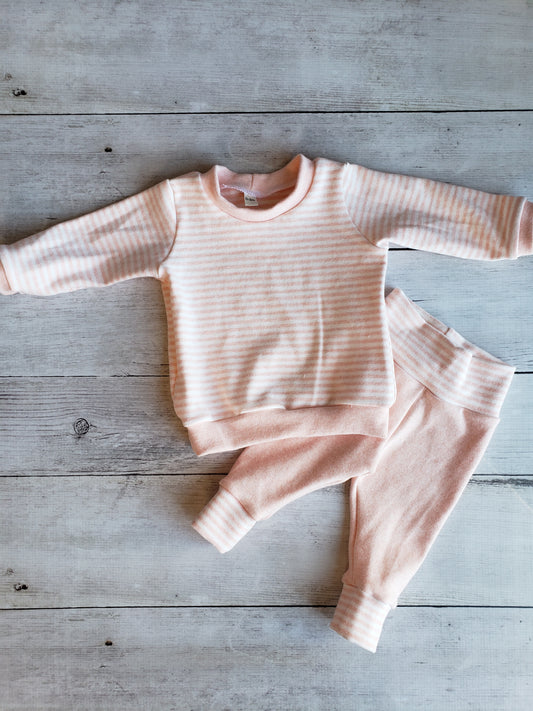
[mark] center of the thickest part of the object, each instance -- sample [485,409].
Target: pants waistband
[442,360]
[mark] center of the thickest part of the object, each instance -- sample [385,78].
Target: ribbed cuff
[525,234]
[223,521]
[359,617]
[5,286]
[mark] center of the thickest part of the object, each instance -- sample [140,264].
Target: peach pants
[403,487]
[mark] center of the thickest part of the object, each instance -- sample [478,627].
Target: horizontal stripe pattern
[308,289]
[126,239]
[281,305]
[359,617]
[437,356]
[432,215]
[223,521]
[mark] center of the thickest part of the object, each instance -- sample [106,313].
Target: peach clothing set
[281,342]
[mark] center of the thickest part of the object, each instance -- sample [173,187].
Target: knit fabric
[461,376]
[273,285]
[403,487]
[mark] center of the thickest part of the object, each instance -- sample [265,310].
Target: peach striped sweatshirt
[273,285]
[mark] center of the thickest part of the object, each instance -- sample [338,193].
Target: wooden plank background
[108,598]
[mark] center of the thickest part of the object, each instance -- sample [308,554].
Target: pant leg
[397,510]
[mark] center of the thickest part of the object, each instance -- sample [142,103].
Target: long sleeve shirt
[273,285]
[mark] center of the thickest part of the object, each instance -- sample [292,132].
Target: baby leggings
[403,487]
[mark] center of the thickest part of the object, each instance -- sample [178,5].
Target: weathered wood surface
[103,519]
[132,428]
[203,56]
[212,659]
[54,168]
[97,541]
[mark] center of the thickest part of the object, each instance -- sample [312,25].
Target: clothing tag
[250,201]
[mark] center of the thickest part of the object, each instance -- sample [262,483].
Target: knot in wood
[81,426]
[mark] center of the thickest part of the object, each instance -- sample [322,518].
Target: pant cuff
[223,521]
[359,617]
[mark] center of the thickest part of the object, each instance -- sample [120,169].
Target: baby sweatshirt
[273,285]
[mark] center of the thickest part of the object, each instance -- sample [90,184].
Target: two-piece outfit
[282,343]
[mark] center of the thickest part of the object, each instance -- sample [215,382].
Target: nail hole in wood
[108,149]
[19,92]
[20,586]
[108,643]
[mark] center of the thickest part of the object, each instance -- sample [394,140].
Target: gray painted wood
[131,427]
[54,168]
[264,659]
[103,518]
[152,56]
[97,541]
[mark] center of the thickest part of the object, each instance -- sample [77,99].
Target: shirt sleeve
[437,217]
[127,239]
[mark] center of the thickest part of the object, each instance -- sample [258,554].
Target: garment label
[250,201]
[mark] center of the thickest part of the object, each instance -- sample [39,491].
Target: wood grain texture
[101,100]
[53,168]
[131,427]
[127,541]
[212,659]
[180,57]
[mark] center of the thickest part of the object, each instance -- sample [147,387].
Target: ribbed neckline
[300,172]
